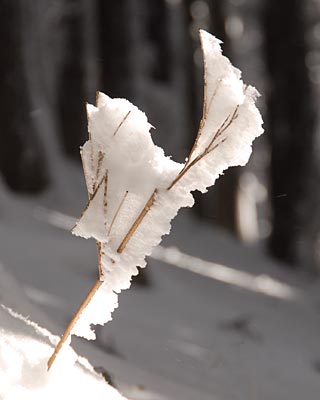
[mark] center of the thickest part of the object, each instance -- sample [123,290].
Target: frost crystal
[135,190]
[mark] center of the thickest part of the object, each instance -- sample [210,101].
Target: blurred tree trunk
[291,122]
[114,44]
[157,34]
[21,160]
[194,82]
[71,96]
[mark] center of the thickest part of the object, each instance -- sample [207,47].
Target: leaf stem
[122,122]
[72,323]
[210,147]
[137,222]
[117,212]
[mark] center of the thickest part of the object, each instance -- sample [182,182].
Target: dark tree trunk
[291,123]
[157,33]
[21,161]
[195,83]
[71,96]
[115,71]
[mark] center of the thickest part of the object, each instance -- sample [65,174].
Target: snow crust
[135,190]
[24,351]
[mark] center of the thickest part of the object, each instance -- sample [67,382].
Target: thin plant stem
[72,323]
[91,197]
[210,147]
[99,247]
[137,222]
[184,170]
[117,212]
[122,122]
[99,163]
[105,198]
[206,109]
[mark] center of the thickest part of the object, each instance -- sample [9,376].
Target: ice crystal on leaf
[135,191]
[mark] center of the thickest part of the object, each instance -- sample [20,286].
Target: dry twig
[74,320]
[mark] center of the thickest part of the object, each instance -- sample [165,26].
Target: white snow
[173,340]
[24,352]
[135,190]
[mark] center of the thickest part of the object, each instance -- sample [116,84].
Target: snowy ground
[237,327]
[24,351]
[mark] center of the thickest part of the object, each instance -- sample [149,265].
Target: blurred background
[55,55]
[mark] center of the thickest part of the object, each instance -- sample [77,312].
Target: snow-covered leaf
[135,190]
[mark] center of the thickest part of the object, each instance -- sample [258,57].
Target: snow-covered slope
[186,336]
[24,351]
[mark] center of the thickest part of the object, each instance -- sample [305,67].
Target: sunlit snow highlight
[263,284]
